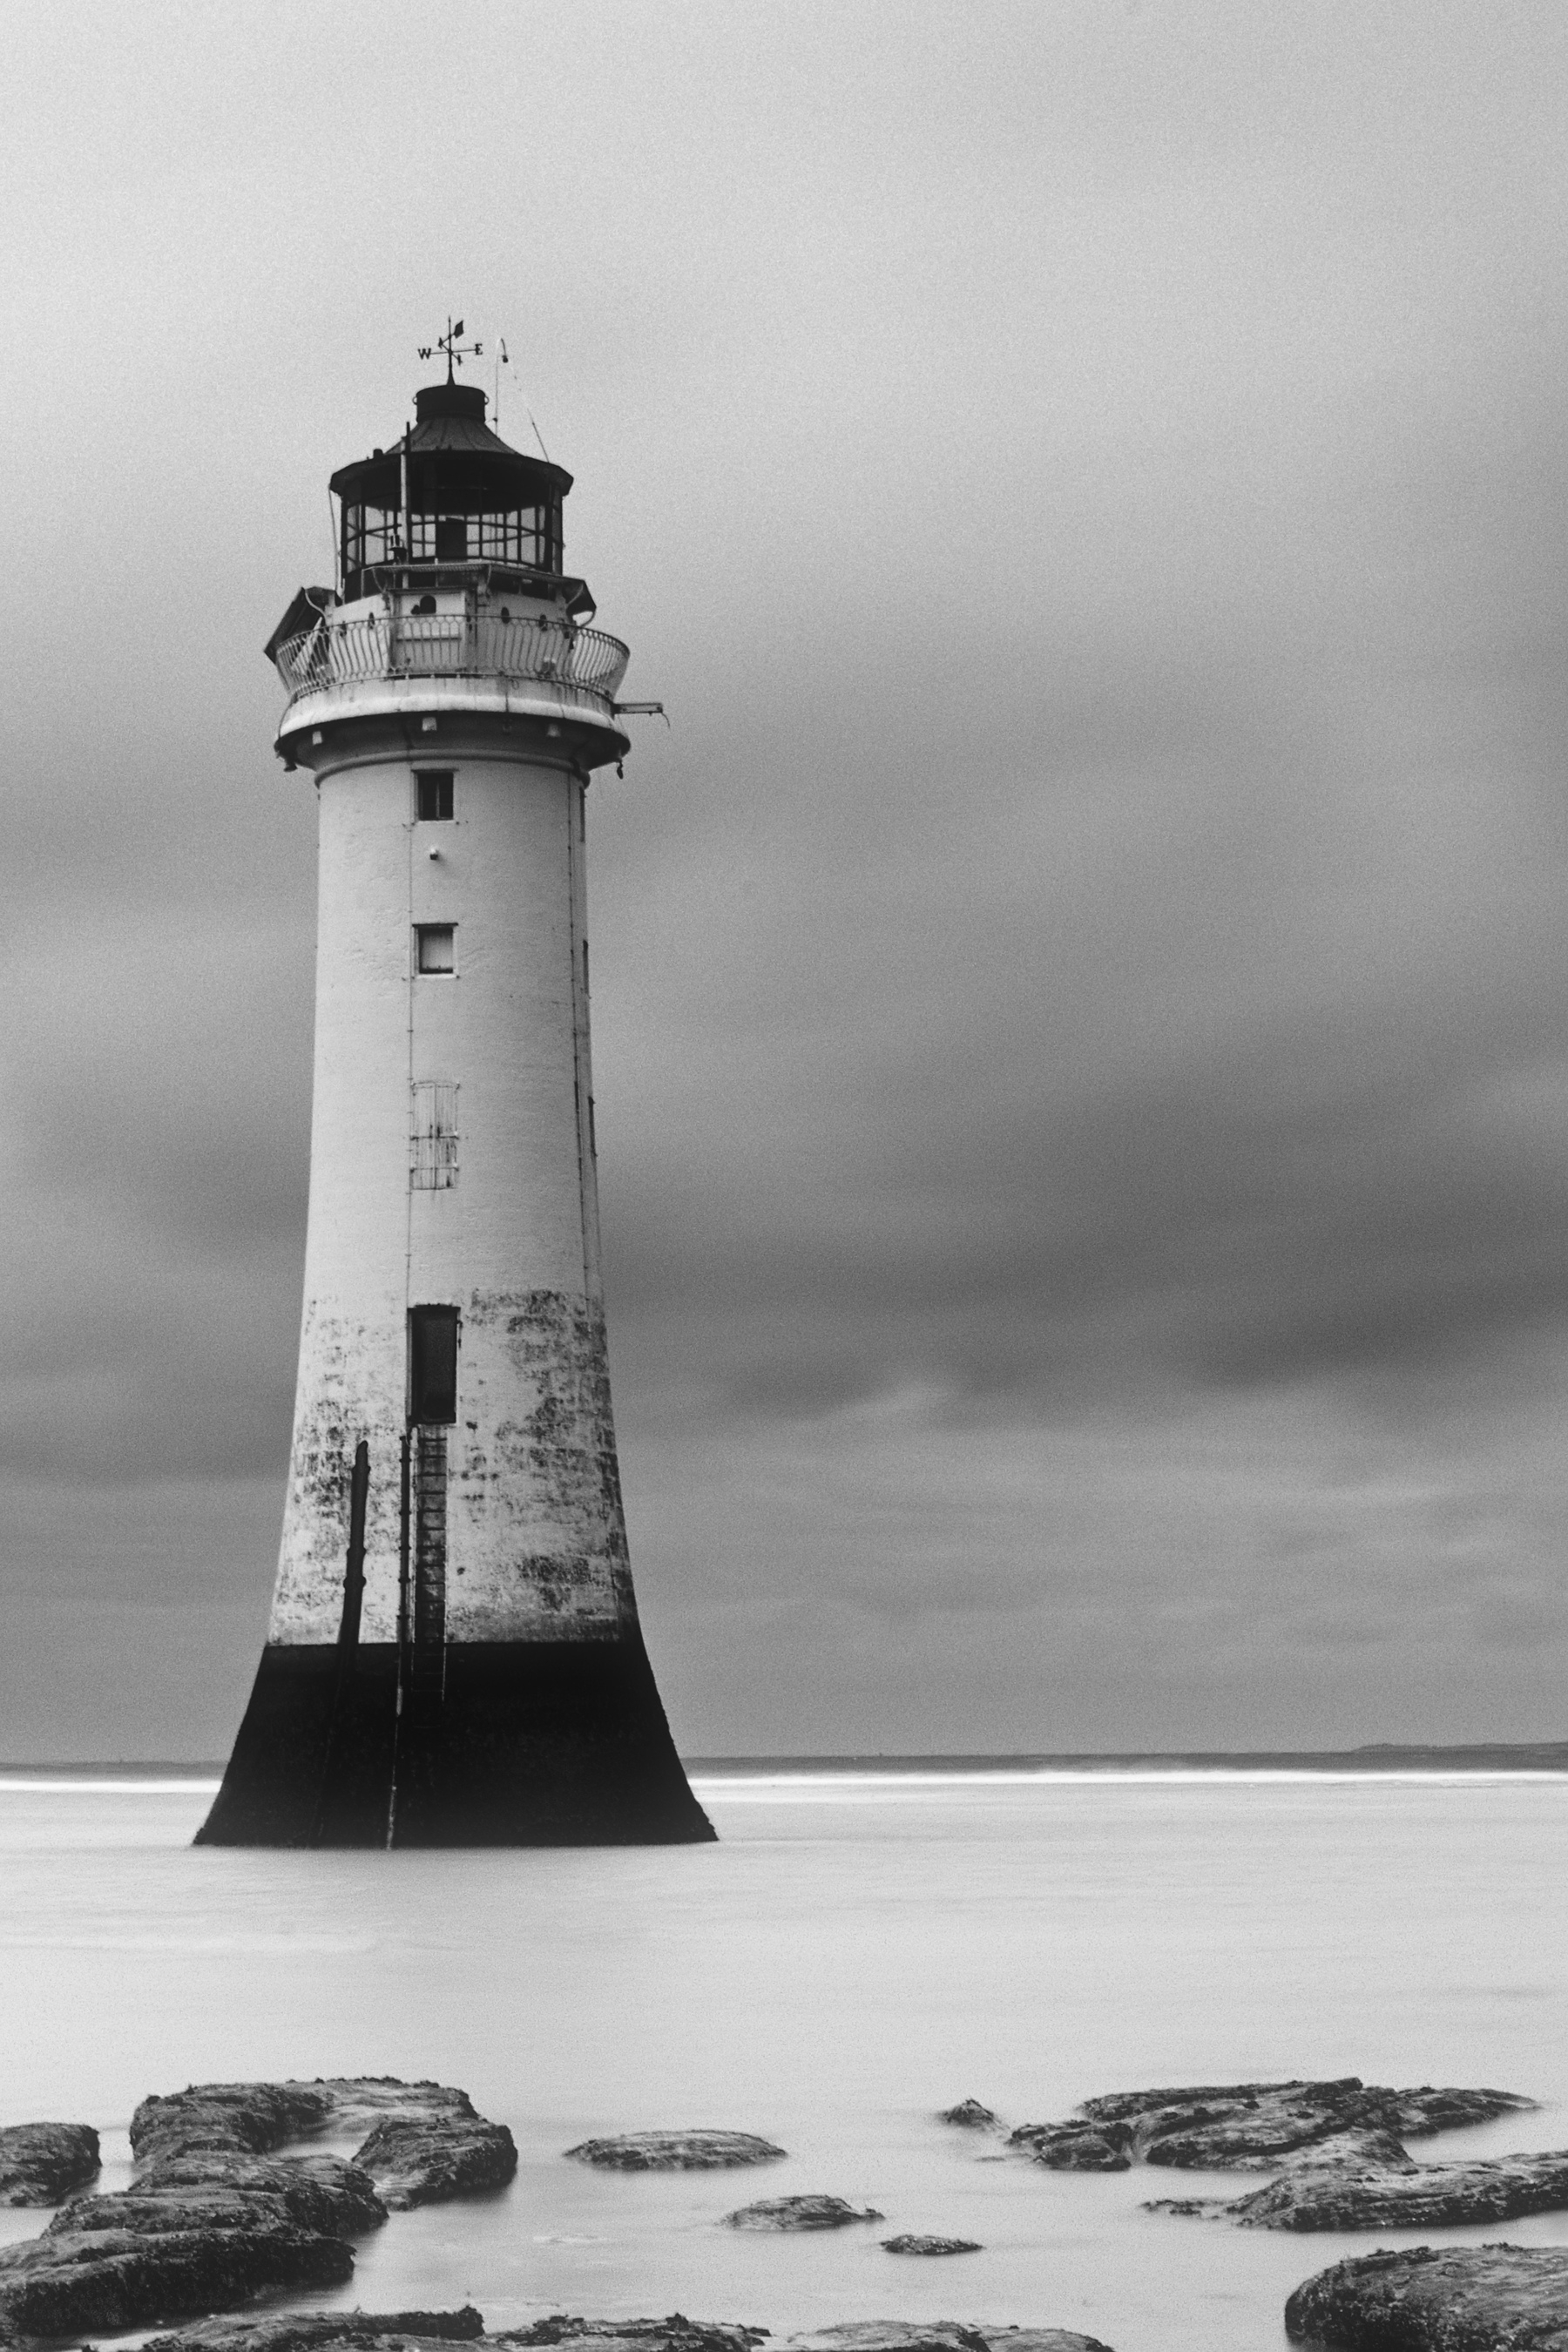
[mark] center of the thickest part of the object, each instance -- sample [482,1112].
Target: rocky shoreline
[1335,2150]
[229,2203]
[215,2215]
[423,2331]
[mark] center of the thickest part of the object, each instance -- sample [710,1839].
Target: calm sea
[859,1950]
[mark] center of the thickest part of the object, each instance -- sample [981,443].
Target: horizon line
[1368,1754]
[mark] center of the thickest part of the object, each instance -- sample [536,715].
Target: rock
[1213,2130]
[253,2119]
[914,2244]
[41,2163]
[303,2331]
[423,2161]
[215,2215]
[676,2333]
[1416,2196]
[892,2336]
[1040,2339]
[1238,2127]
[238,2118]
[215,2191]
[781,2213]
[941,2336]
[675,2151]
[69,2281]
[1077,2147]
[1438,2299]
[1352,2151]
[969,2114]
[360,2099]
[196,2232]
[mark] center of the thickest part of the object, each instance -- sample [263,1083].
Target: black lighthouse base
[522,1743]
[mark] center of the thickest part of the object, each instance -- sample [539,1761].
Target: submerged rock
[675,2151]
[415,2160]
[67,2281]
[782,2213]
[969,2114]
[912,2242]
[1438,2299]
[41,2163]
[1411,2197]
[303,2331]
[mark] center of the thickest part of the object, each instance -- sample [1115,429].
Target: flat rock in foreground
[675,2151]
[941,2336]
[69,2281]
[304,2331]
[1411,2197]
[41,2163]
[676,2333]
[1230,2126]
[418,2160]
[913,2241]
[1438,2299]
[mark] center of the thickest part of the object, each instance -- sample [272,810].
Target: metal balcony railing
[451,644]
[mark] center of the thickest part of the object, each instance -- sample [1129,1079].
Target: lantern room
[450,492]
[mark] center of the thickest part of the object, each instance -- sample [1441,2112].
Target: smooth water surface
[856,1952]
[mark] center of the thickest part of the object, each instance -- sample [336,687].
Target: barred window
[433,1137]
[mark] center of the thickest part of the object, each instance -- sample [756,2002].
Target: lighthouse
[454,1655]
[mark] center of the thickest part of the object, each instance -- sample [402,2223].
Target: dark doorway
[432,1365]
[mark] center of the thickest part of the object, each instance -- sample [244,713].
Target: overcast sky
[1081,987]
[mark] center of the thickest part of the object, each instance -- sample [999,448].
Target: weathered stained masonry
[454,1655]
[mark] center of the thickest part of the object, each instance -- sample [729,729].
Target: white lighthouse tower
[454,1656]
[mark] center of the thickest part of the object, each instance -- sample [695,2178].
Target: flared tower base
[522,1743]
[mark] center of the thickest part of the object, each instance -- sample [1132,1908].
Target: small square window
[435,794]
[437,943]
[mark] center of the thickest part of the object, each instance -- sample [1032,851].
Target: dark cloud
[1079,995]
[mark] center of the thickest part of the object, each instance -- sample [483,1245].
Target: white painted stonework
[536,1542]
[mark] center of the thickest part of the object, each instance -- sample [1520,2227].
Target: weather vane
[451,342]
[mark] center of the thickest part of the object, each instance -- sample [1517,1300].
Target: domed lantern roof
[455,464]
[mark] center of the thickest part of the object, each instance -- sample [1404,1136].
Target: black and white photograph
[783,1451]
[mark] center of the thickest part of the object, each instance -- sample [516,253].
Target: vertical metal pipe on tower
[454,1655]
